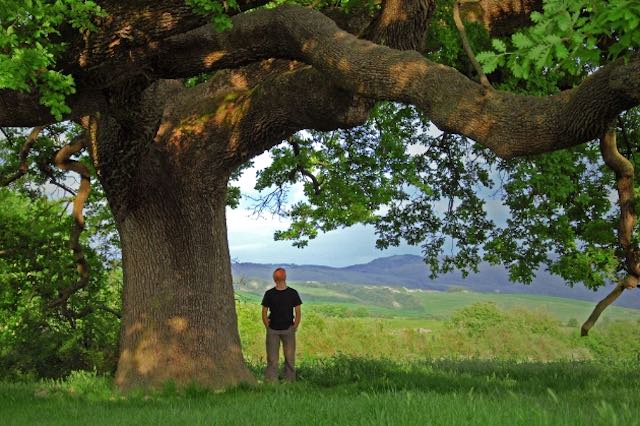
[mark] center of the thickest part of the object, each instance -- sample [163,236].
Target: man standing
[281,326]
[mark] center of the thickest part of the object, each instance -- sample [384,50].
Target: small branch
[47,171]
[23,168]
[277,196]
[109,310]
[70,314]
[10,250]
[600,307]
[63,161]
[304,172]
[624,171]
[467,47]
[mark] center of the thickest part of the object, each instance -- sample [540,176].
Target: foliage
[477,318]
[35,265]
[391,173]
[561,216]
[569,38]
[216,9]
[435,191]
[28,51]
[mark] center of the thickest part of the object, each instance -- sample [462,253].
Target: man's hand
[298,318]
[265,318]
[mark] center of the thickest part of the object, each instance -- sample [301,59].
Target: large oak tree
[164,150]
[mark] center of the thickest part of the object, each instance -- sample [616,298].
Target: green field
[377,356]
[400,302]
[352,391]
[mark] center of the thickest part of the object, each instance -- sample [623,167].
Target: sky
[251,237]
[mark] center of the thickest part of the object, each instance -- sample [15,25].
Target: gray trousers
[288,339]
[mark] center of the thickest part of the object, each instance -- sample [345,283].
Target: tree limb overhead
[510,125]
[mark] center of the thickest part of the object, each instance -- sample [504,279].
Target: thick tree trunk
[179,318]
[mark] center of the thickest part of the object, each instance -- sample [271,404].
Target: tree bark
[167,189]
[179,319]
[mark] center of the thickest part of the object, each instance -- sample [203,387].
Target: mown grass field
[374,356]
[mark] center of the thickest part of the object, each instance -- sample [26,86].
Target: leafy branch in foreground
[28,52]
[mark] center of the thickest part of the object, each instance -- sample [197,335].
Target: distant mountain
[410,271]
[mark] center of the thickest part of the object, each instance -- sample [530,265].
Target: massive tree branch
[401,24]
[18,109]
[118,48]
[509,124]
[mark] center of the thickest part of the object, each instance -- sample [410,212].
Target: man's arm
[296,322]
[265,318]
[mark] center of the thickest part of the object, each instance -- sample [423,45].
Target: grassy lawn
[354,391]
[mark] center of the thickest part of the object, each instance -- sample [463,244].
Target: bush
[477,319]
[36,339]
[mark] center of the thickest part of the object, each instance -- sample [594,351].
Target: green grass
[354,391]
[444,304]
[437,359]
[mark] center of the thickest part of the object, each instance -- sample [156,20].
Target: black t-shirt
[281,304]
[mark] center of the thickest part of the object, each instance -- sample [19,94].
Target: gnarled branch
[503,122]
[63,161]
[624,171]
[304,172]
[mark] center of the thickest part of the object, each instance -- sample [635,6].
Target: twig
[23,168]
[278,197]
[47,171]
[304,172]
[467,47]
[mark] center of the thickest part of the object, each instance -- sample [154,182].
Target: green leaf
[561,51]
[564,21]
[521,41]
[488,60]
[499,45]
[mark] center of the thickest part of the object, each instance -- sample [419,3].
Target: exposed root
[624,171]
[63,161]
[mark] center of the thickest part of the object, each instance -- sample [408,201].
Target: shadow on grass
[479,376]
[347,375]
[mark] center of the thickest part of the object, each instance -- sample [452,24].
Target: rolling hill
[410,271]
